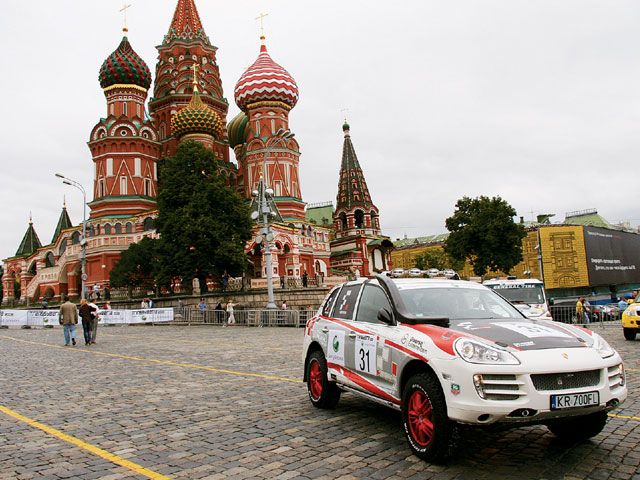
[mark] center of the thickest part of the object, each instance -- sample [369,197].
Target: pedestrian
[219,313]
[225,281]
[95,318]
[284,305]
[579,310]
[305,279]
[96,291]
[86,317]
[282,282]
[202,306]
[45,303]
[150,302]
[107,293]
[107,305]
[69,320]
[231,319]
[144,304]
[587,311]
[622,305]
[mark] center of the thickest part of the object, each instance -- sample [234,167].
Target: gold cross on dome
[261,18]
[124,9]
[195,75]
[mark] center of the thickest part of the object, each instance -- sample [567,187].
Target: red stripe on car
[405,350]
[442,338]
[364,383]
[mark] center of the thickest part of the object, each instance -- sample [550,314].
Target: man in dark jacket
[87,320]
[69,320]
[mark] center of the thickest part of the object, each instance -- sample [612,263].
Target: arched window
[374,217]
[33,268]
[128,228]
[63,247]
[343,221]
[91,231]
[359,218]
[107,229]
[49,260]
[149,224]
[118,228]
[75,238]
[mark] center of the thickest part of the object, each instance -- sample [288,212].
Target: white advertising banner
[40,318]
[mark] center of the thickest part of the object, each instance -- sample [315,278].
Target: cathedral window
[118,228]
[49,260]
[123,185]
[257,127]
[63,247]
[112,109]
[149,224]
[109,167]
[273,126]
[101,188]
[107,229]
[138,111]
[124,109]
[359,218]
[162,132]
[128,227]
[137,164]
[75,238]
[147,187]
[343,221]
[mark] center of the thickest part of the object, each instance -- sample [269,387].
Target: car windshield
[457,303]
[520,293]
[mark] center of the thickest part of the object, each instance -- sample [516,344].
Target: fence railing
[250,318]
[597,314]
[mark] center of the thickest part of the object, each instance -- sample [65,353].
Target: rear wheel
[424,416]
[630,333]
[579,428]
[322,392]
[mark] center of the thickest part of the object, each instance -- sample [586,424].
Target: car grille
[566,380]
[615,376]
[501,387]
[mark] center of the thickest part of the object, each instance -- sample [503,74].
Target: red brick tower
[186,44]
[358,246]
[124,145]
[266,93]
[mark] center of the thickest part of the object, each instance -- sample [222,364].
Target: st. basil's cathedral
[188,104]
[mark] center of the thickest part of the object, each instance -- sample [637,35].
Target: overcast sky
[536,101]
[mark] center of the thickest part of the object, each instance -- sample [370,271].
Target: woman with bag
[232,319]
[87,319]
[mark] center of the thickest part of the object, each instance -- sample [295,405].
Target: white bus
[528,296]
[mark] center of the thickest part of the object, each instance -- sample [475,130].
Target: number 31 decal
[366,354]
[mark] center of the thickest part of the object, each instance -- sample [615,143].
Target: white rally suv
[445,352]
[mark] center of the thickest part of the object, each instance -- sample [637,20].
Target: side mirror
[385,316]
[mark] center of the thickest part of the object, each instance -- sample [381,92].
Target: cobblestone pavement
[181,401]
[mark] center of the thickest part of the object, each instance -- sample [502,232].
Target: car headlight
[475,352]
[602,347]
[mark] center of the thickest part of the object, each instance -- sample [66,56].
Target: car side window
[346,302]
[328,304]
[372,299]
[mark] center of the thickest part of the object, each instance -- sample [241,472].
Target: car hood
[524,334]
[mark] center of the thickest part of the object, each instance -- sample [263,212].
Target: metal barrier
[248,318]
[596,314]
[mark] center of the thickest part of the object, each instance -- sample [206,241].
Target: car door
[335,326]
[371,364]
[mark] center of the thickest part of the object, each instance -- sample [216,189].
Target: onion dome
[124,66]
[197,117]
[266,81]
[237,130]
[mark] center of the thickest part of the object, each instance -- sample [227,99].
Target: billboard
[613,257]
[563,256]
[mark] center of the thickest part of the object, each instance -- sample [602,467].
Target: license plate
[573,400]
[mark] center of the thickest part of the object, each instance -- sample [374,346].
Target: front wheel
[424,416]
[630,333]
[322,392]
[579,428]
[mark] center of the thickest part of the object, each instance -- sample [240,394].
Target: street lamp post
[83,241]
[264,195]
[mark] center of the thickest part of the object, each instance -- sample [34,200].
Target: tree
[437,258]
[203,223]
[137,265]
[484,233]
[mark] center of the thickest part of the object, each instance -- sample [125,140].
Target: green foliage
[437,258]
[137,265]
[203,224]
[484,233]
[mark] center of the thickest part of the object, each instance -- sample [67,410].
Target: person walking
[86,317]
[305,279]
[95,318]
[580,310]
[69,320]
[231,317]
[225,281]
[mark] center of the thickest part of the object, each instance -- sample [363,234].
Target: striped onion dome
[237,130]
[265,80]
[124,66]
[197,117]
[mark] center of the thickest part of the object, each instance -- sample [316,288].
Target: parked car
[448,273]
[631,320]
[445,352]
[433,272]
[397,272]
[415,272]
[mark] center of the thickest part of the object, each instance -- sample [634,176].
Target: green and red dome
[124,66]
[197,117]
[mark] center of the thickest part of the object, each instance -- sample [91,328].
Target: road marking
[134,467]
[631,369]
[626,417]
[161,362]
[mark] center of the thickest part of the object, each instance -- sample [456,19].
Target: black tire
[630,333]
[579,428]
[429,431]
[322,392]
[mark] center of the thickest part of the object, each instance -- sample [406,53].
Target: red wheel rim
[315,379]
[420,418]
